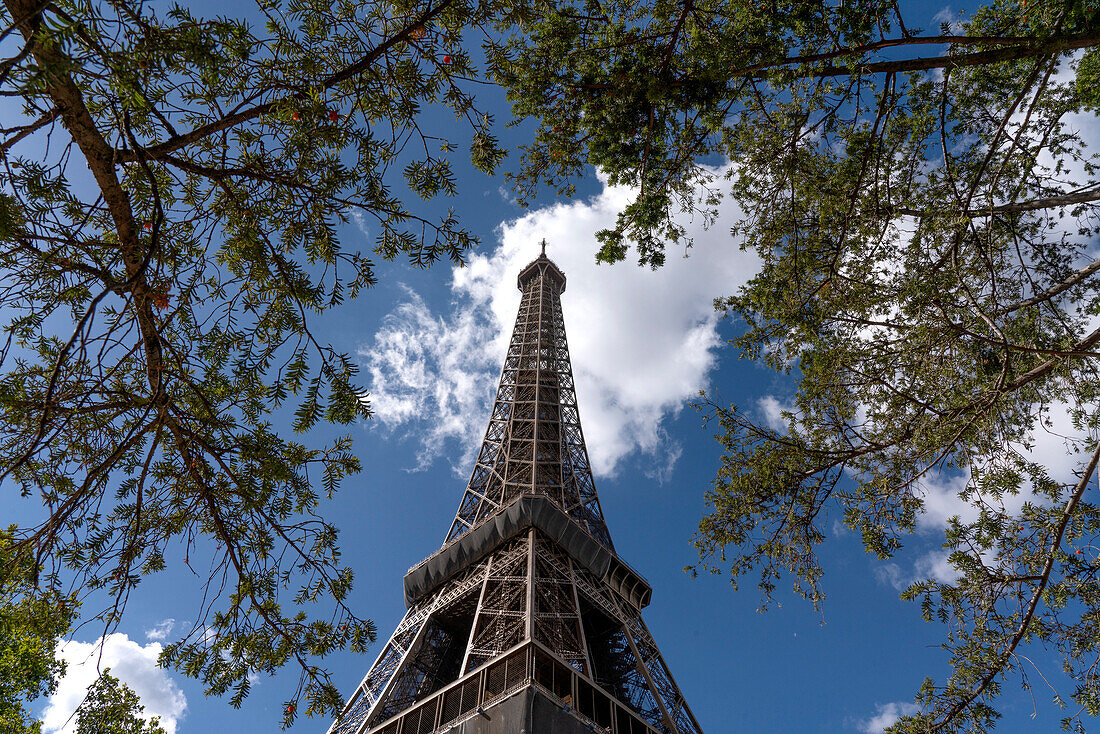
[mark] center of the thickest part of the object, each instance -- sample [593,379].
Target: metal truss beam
[525,590]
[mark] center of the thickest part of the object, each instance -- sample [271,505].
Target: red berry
[295,116]
[1078,551]
[447,59]
[148,226]
[333,116]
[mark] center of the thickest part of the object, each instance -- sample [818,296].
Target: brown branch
[78,120]
[1021,630]
[1083,196]
[221,531]
[684,13]
[949,61]
[1046,367]
[1077,277]
[976,58]
[69,101]
[892,43]
[236,118]
[18,133]
[100,274]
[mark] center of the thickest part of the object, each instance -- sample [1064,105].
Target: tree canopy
[170,201]
[32,621]
[171,192]
[925,209]
[110,707]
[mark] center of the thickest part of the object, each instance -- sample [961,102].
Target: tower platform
[527,691]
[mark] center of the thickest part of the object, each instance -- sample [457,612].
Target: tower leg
[500,622]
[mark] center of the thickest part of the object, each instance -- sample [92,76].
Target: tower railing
[528,664]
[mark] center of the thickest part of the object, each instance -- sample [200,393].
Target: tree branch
[1082,196]
[236,118]
[976,58]
[1021,630]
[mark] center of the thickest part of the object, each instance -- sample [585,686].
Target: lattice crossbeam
[534,443]
[526,589]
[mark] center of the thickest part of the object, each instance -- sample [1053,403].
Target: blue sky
[643,344]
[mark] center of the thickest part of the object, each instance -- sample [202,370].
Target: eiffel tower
[526,620]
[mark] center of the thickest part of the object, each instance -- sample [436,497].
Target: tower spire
[534,444]
[526,612]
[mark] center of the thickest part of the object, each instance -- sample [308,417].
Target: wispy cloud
[886,715]
[772,409]
[361,224]
[433,375]
[949,20]
[642,342]
[663,466]
[160,630]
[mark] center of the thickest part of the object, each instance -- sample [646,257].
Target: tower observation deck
[526,620]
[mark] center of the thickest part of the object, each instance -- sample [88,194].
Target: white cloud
[887,714]
[133,664]
[661,469]
[361,224]
[160,630]
[642,342]
[935,565]
[942,501]
[932,565]
[1054,444]
[772,410]
[891,573]
[433,373]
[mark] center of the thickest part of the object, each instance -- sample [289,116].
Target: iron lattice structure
[527,588]
[534,442]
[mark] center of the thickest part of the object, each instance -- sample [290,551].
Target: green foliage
[110,707]
[32,621]
[1088,80]
[925,212]
[171,197]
